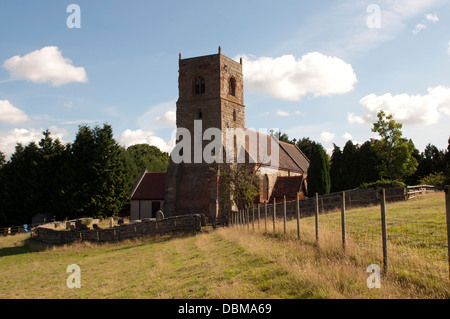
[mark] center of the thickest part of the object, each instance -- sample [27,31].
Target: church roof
[150,186]
[290,156]
[287,186]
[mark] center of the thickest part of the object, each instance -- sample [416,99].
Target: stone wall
[179,224]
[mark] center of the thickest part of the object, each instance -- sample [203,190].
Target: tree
[435,179]
[368,162]
[283,137]
[336,172]
[2,159]
[98,182]
[350,166]
[306,146]
[447,164]
[238,184]
[138,157]
[394,150]
[430,161]
[318,171]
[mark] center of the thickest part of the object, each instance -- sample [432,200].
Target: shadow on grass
[32,245]
[27,246]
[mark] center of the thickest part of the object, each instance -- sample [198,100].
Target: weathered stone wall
[179,224]
[192,187]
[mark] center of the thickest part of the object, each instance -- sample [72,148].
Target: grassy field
[240,263]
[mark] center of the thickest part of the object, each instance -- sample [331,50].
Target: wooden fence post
[253,218]
[274,213]
[343,220]
[284,213]
[265,216]
[298,216]
[316,206]
[447,209]
[248,218]
[240,218]
[259,216]
[384,229]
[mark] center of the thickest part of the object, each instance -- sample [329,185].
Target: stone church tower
[211,90]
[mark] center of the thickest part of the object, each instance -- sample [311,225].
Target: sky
[317,69]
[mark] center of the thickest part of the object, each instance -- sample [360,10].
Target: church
[211,96]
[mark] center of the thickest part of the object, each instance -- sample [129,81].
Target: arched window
[199,85]
[232,86]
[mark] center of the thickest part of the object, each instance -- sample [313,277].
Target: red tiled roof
[150,186]
[287,186]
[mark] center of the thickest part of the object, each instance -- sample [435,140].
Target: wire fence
[399,234]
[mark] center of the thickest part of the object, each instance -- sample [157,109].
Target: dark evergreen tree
[368,163]
[98,187]
[350,166]
[336,173]
[319,171]
[306,146]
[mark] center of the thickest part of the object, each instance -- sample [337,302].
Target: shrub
[384,183]
[86,221]
[434,179]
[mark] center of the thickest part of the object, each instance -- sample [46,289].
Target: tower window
[232,86]
[199,85]
[200,114]
[234,115]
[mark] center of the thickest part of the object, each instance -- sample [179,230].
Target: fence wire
[416,237]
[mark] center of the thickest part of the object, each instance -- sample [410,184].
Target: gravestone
[159,215]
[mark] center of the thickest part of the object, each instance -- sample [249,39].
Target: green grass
[237,263]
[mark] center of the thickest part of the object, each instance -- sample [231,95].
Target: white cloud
[289,78]
[9,139]
[281,113]
[432,17]
[45,65]
[11,114]
[419,28]
[327,136]
[79,122]
[344,31]
[412,109]
[169,118]
[353,118]
[68,104]
[348,136]
[129,137]
[158,116]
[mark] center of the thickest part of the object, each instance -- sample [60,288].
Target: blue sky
[312,69]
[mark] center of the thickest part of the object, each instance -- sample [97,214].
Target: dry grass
[235,263]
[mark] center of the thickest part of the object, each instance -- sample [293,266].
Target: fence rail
[415,243]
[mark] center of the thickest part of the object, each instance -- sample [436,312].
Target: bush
[86,221]
[434,179]
[384,183]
